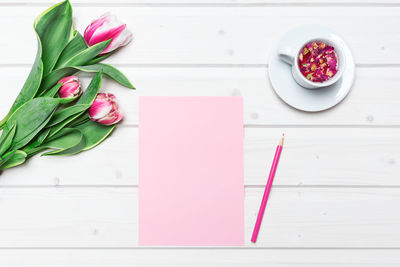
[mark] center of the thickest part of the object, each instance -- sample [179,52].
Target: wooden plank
[199,257]
[205,2]
[114,162]
[321,156]
[331,156]
[370,103]
[295,217]
[300,217]
[51,217]
[215,35]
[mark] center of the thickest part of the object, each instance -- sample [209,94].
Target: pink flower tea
[318,61]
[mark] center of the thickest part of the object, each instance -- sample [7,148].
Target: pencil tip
[281,141]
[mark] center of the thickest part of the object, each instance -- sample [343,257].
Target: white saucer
[290,91]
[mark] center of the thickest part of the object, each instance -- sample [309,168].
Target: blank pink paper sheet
[191,173]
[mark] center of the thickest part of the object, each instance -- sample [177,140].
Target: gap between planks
[199,4]
[313,126]
[172,66]
[245,186]
[200,248]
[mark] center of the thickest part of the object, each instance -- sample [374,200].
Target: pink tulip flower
[105,28]
[71,87]
[105,109]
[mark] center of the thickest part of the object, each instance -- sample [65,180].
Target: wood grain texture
[215,35]
[371,102]
[295,217]
[204,2]
[311,157]
[337,188]
[199,257]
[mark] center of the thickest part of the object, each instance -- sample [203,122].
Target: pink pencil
[267,190]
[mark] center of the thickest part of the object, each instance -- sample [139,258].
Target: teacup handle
[287,54]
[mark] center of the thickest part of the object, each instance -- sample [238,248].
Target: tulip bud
[71,87]
[105,109]
[105,28]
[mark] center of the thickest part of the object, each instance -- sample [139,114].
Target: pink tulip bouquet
[52,113]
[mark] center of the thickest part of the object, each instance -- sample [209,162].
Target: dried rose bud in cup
[318,61]
[105,28]
[71,87]
[105,109]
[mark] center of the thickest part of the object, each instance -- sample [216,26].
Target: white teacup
[291,54]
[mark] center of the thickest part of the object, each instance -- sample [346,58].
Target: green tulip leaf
[94,133]
[55,29]
[14,159]
[67,142]
[108,70]
[85,55]
[92,90]
[42,136]
[53,91]
[100,58]
[76,45]
[66,100]
[67,67]
[33,145]
[63,114]
[80,120]
[30,87]
[58,127]
[6,138]
[31,117]
[6,157]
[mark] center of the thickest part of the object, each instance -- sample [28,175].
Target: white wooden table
[336,196]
